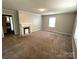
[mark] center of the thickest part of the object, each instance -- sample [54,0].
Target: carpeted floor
[37,45]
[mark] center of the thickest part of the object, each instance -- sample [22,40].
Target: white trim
[74,47]
[2,33]
[63,33]
[59,32]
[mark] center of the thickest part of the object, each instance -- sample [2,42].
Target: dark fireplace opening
[27,28]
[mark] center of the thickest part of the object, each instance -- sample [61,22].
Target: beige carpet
[37,45]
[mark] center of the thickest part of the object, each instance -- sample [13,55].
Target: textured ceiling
[52,6]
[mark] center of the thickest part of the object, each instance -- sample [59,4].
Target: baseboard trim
[63,33]
[74,47]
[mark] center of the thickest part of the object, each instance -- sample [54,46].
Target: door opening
[7,24]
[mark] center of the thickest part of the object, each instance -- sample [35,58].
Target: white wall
[15,19]
[32,19]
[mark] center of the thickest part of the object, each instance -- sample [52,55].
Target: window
[52,21]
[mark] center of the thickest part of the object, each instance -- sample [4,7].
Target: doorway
[7,24]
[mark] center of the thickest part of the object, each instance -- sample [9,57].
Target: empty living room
[39,29]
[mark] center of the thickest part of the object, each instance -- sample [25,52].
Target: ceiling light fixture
[41,9]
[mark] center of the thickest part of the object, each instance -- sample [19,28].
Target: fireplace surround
[24,27]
